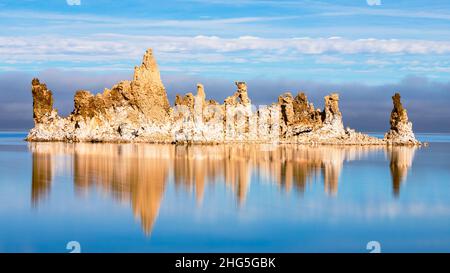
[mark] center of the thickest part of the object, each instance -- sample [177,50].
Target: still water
[223,198]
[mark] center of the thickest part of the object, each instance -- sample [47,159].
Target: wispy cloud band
[117,47]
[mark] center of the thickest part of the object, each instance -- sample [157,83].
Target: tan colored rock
[401,159]
[287,109]
[84,104]
[147,90]
[128,111]
[242,93]
[401,132]
[201,93]
[240,96]
[42,101]
[305,112]
[188,100]
[298,115]
[139,111]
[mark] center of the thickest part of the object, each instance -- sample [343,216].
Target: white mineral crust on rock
[139,111]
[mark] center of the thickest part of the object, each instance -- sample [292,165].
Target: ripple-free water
[223,198]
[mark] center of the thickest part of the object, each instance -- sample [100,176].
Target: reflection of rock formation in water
[138,173]
[41,177]
[193,165]
[287,165]
[128,172]
[401,161]
[297,166]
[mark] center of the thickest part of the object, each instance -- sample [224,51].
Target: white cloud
[377,62]
[111,47]
[73,2]
[373,2]
[326,59]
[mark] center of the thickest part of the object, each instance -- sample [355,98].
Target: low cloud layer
[122,47]
[365,107]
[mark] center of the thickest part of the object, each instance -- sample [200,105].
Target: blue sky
[345,40]
[309,43]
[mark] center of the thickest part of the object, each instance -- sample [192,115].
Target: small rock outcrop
[298,115]
[240,96]
[139,111]
[401,128]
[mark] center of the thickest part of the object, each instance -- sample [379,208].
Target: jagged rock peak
[242,93]
[242,86]
[401,128]
[240,96]
[147,90]
[148,71]
[190,100]
[42,101]
[187,100]
[298,113]
[149,61]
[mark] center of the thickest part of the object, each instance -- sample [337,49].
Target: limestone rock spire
[332,117]
[148,91]
[242,93]
[201,92]
[401,128]
[42,101]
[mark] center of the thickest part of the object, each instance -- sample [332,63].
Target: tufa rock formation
[401,128]
[42,101]
[298,115]
[147,90]
[139,111]
[332,117]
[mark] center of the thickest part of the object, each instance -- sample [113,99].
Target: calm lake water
[223,198]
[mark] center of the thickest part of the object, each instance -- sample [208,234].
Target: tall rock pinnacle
[401,128]
[332,115]
[147,90]
[42,101]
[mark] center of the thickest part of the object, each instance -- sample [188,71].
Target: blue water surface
[223,198]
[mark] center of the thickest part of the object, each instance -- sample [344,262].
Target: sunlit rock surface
[139,111]
[401,128]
